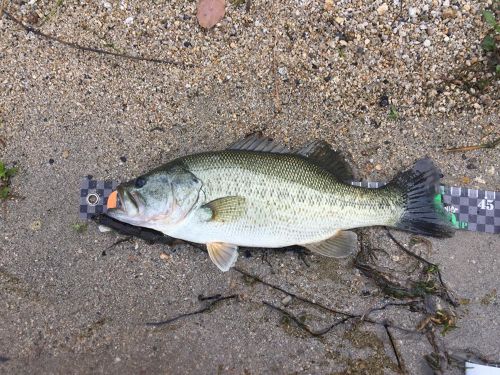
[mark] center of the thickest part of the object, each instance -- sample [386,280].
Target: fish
[258,193]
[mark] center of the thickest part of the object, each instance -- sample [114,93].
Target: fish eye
[140,182]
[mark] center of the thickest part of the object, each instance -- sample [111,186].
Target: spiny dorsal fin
[343,244]
[223,255]
[321,153]
[257,142]
[226,208]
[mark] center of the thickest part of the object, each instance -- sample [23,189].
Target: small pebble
[285,301]
[104,229]
[164,256]
[427,43]
[340,20]
[123,158]
[449,13]
[65,154]
[384,101]
[329,4]
[378,167]
[36,225]
[382,9]
[51,161]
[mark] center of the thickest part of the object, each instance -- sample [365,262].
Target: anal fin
[224,255]
[343,244]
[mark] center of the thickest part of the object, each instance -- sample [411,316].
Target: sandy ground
[386,85]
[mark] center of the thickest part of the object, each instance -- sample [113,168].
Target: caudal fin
[422,215]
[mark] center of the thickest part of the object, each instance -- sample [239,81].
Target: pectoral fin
[226,209]
[343,244]
[224,255]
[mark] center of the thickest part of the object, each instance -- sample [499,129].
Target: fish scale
[289,200]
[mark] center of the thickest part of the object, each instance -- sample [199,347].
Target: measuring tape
[467,209]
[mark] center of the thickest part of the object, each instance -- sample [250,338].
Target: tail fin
[422,215]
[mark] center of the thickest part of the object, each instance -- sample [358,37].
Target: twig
[319,305]
[386,283]
[388,304]
[491,144]
[91,49]
[448,296]
[399,358]
[265,259]
[121,240]
[410,253]
[201,297]
[305,327]
[211,305]
[438,359]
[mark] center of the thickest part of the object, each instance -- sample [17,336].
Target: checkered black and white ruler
[468,209]
[94,196]
[476,210]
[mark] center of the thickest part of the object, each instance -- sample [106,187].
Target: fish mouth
[127,203]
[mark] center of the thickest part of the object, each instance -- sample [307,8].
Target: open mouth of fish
[127,202]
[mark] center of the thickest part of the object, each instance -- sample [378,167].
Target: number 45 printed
[486,204]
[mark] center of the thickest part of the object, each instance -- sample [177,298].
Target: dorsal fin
[257,142]
[321,153]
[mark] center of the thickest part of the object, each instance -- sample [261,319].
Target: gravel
[384,82]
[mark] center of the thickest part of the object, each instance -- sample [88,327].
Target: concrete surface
[73,303]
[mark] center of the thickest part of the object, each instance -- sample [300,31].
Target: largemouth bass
[259,194]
